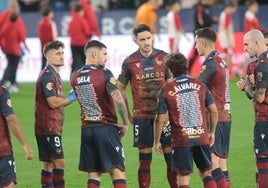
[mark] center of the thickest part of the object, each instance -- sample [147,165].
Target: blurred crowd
[98,5]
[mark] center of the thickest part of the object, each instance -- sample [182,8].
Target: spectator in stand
[47,30]
[79,34]
[147,14]
[91,18]
[202,19]
[226,31]
[251,21]
[12,35]
[174,25]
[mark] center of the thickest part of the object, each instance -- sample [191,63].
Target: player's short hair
[94,44]
[177,64]
[250,2]
[140,28]
[78,8]
[206,33]
[231,4]
[54,45]
[46,10]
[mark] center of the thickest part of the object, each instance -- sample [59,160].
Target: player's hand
[251,79]
[28,151]
[241,84]
[211,137]
[71,97]
[158,148]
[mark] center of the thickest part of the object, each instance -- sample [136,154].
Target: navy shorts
[144,133]
[183,157]
[49,147]
[7,170]
[101,149]
[260,138]
[222,139]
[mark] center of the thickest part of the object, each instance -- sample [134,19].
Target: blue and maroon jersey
[215,74]
[185,99]
[48,121]
[93,85]
[6,109]
[147,75]
[261,79]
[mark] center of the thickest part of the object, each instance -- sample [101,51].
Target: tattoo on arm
[118,99]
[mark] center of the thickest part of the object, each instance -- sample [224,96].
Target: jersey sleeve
[111,82]
[208,69]
[161,103]
[209,98]
[6,105]
[48,85]
[124,76]
[262,76]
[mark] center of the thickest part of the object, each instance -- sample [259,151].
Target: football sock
[227,177]
[46,179]
[58,178]
[262,165]
[219,178]
[172,177]
[209,182]
[144,170]
[119,183]
[91,183]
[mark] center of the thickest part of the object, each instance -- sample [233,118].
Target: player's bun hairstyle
[46,10]
[54,45]
[172,2]
[94,44]
[140,28]
[177,64]
[206,33]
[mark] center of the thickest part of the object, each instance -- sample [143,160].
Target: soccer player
[215,74]
[47,30]
[174,25]
[9,121]
[187,100]
[256,87]
[147,73]
[97,92]
[226,30]
[202,19]
[49,103]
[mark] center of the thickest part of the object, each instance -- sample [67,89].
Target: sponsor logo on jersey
[113,81]
[49,86]
[9,103]
[150,76]
[193,131]
[93,118]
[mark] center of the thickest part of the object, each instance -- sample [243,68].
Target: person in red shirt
[79,34]
[12,34]
[47,30]
[90,17]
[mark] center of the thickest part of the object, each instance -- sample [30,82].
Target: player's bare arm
[56,102]
[122,89]
[118,99]
[213,113]
[14,126]
[158,128]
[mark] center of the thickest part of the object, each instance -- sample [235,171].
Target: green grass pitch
[241,160]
